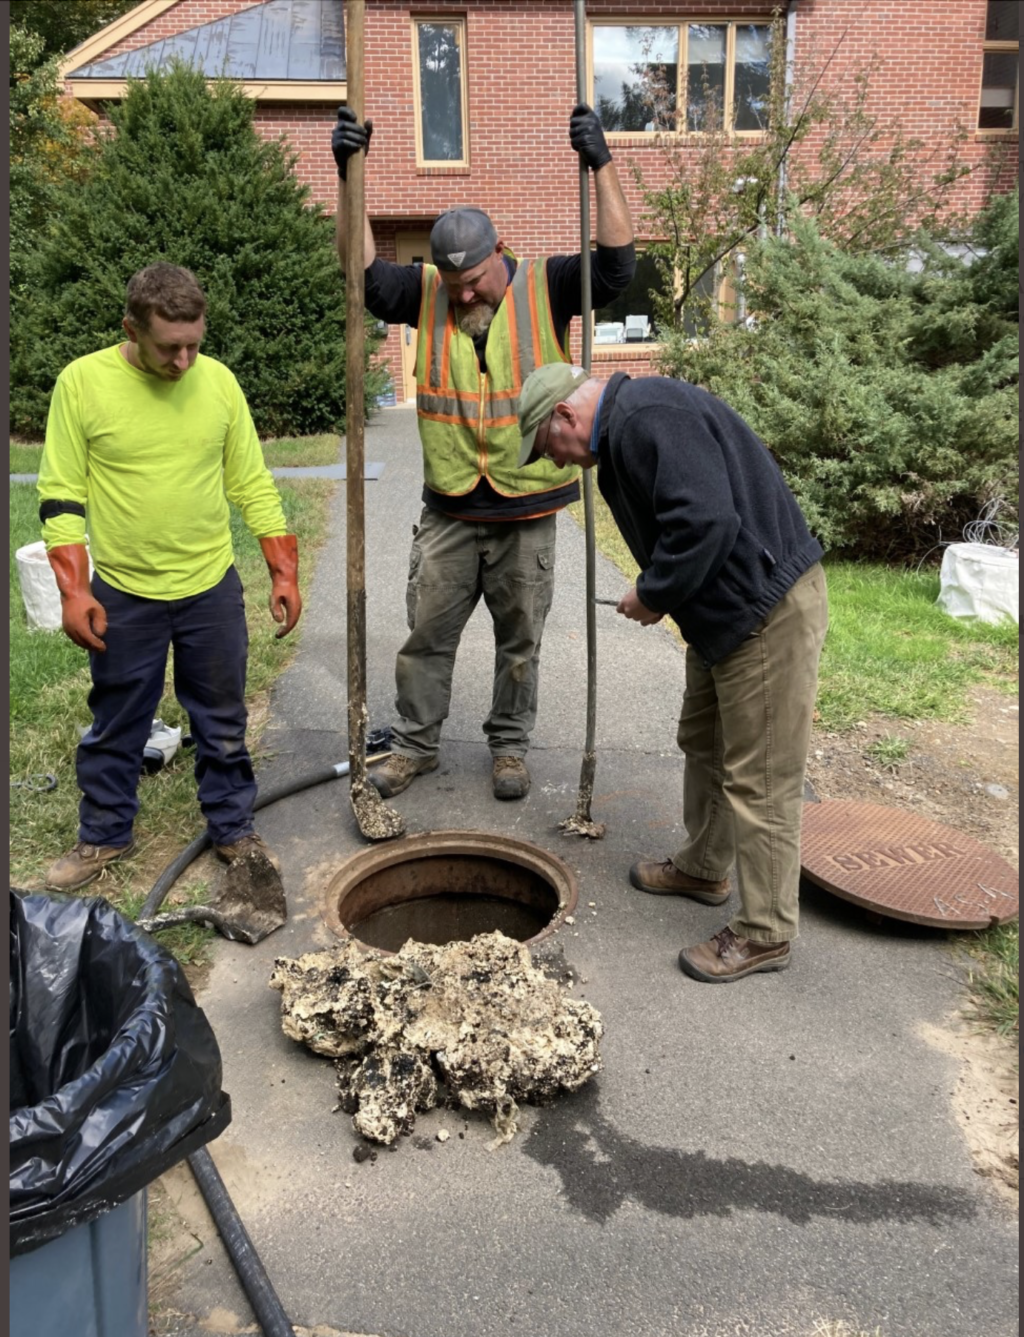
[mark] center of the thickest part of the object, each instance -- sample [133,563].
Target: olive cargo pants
[453,564]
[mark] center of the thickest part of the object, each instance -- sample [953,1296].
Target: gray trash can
[115,1077]
[90,1281]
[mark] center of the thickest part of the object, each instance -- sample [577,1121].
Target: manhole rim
[420,844]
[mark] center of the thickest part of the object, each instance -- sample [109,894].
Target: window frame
[680,132]
[458,22]
[723,296]
[997,48]
[623,349]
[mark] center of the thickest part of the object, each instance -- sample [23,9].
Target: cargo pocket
[545,582]
[412,584]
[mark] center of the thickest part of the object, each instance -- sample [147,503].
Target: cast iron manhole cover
[898,864]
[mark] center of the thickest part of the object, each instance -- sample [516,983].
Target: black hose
[251,1273]
[266,1306]
[170,875]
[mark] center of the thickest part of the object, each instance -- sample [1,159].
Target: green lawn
[25,458]
[892,651]
[303,451]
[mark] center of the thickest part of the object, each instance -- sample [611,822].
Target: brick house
[470,100]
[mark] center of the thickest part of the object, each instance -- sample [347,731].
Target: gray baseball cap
[461,238]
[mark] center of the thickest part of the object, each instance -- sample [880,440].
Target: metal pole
[580,823]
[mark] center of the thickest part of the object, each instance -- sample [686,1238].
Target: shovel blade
[376,820]
[251,900]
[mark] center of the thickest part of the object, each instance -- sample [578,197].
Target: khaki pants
[453,564]
[745,729]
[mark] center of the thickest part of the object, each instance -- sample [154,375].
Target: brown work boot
[242,846]
[727,957]
[84,864]
[664,879]
[396,774]
[510,778]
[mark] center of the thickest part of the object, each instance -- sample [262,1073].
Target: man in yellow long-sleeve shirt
[146,442]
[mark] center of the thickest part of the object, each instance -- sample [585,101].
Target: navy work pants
[211,643]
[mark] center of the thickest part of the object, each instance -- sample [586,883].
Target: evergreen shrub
[184,177]
[888,393]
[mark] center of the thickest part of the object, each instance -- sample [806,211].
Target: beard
[476,319]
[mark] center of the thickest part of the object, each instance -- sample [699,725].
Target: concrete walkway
[752,1160]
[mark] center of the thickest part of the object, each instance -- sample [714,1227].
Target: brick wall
[520,62]
[307,127]
[928,75]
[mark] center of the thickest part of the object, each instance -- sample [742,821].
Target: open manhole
[447,886]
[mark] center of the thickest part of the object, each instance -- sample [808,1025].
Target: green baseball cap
[549,385]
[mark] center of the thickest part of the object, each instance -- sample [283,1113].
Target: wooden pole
[376,821]
[355,14]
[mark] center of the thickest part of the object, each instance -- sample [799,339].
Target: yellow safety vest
[467,418]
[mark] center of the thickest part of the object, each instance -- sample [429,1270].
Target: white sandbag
[980,580]
[39,587]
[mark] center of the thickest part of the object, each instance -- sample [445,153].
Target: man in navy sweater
[723,550]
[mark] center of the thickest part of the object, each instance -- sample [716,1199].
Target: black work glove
[587,137]
[348,137]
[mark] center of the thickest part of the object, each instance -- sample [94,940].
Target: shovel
[250,902]
[581,823]
[375,819]
[249,906]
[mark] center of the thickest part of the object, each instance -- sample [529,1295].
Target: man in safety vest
[487,528]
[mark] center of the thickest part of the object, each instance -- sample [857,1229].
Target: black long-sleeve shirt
[393,294]
[703,507]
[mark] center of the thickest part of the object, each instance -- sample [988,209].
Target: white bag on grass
[980,580]
[39,590]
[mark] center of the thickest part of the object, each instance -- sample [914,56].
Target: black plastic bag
[115,1070]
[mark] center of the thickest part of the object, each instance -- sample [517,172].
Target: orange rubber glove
[282,554]
[83,617]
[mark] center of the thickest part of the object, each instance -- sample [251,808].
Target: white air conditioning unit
[609,332]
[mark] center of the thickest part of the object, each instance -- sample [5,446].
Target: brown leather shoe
[396,774]
[665,879]
[727,957]
[84,864]
[509,778]
[242,846]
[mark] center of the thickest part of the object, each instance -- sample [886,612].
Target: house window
[440,69]
[686,77]
[999,77]
[629,321]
